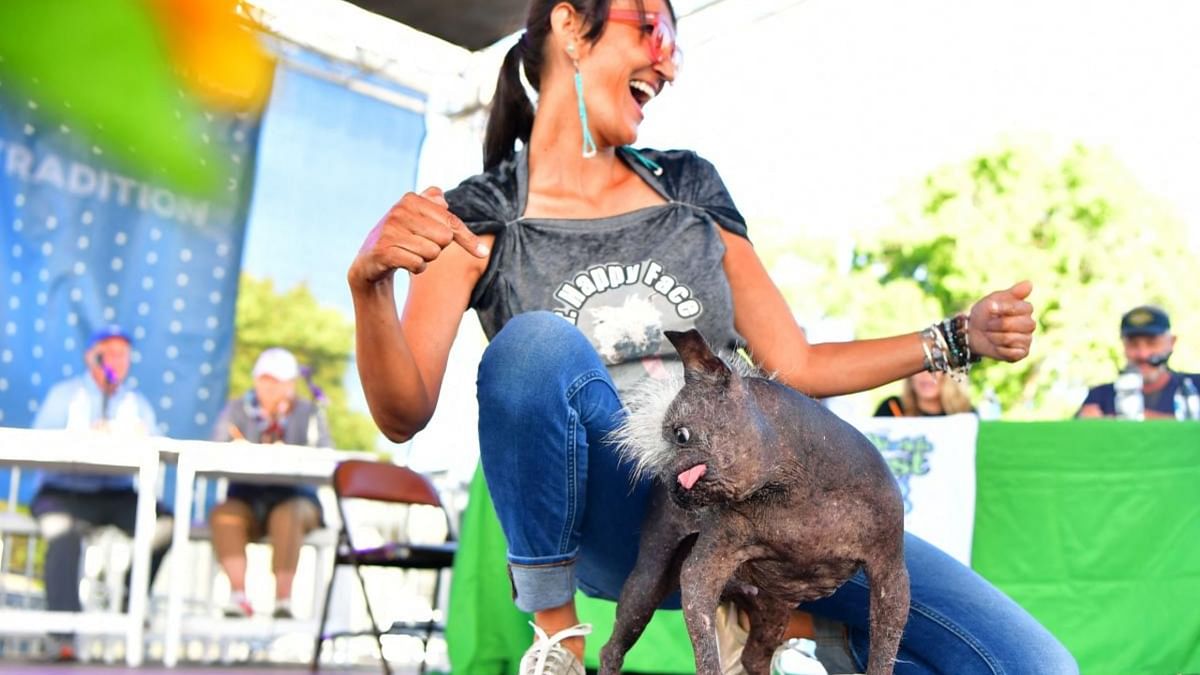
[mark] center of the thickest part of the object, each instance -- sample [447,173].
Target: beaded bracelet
[953,330]
[947,347]
[961,336]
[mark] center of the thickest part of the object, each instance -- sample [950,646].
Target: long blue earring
[589,144]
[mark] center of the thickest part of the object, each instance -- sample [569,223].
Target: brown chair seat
[408,556]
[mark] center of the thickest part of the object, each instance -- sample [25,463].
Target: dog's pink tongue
[688,478]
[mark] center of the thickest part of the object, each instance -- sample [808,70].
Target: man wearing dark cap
[69,505]
[1146,336]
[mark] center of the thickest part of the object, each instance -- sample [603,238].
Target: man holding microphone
[69,505]
[1148,343]
[271,412]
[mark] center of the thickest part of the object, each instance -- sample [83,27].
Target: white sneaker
[547,657]
[794,657]
[731,639]
[238,607]
[797,656]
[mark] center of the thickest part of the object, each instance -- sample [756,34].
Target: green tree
[1075,222]
[813,271]
[1078,224]
[320,337]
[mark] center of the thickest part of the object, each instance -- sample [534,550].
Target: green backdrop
[1093,526]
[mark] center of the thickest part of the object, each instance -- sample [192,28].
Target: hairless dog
[763,497]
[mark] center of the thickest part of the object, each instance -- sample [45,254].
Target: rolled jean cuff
[540,587]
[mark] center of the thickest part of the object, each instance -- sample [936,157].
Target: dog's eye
[682,435]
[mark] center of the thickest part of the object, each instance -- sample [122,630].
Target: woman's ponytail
[512,112]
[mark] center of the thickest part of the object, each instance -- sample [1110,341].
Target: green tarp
[487,635]
[1093,526]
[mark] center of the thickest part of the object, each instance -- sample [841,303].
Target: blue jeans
[572,515]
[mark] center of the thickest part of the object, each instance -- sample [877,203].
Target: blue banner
[84,245]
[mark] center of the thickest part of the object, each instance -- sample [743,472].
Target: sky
[819,113]
[330,163]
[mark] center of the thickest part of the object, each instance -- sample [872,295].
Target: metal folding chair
[390,483]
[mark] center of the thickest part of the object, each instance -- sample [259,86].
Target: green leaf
[1076,223]
[101,68]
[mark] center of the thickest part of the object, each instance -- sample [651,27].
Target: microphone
[109,376]
[110,381]
[1159,360]
[318,395]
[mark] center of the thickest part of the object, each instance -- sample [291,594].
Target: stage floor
[35,668]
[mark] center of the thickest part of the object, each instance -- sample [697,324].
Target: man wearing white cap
[269,413]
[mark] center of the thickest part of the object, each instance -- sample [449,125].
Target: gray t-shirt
[623,279]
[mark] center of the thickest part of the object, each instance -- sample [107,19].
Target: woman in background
[927,394]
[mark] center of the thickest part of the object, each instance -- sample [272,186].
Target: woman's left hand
[1002,324]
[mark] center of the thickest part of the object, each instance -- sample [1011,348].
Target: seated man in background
[69,505]
[268,413]
[1148,343]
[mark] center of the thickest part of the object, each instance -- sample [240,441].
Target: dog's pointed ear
[698,359]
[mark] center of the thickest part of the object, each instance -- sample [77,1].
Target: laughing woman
[577,251]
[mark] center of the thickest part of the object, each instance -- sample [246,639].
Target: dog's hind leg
[768,623]
[888,579]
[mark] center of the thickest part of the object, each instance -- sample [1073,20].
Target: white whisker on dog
[639,439]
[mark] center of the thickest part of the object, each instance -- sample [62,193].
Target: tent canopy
[473,24]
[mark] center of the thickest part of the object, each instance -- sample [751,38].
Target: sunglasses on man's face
[657,28]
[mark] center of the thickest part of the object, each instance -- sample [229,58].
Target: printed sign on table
[933,459]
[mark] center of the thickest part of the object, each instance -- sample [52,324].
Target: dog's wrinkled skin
[772,501]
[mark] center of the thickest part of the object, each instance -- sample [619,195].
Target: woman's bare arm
[1002,327]
[402,361]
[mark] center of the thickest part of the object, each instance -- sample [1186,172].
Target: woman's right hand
[412,234]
